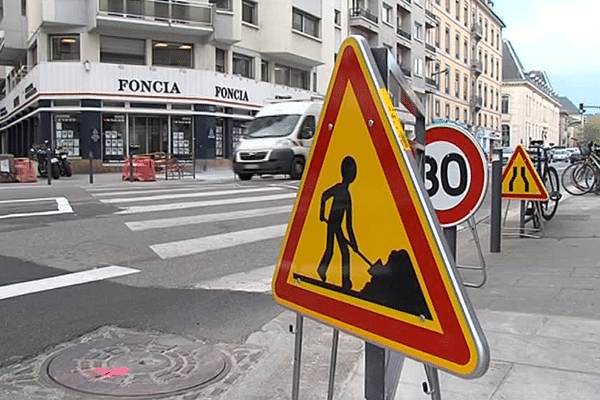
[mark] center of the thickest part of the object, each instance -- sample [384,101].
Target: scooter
[65,164]
[41,153]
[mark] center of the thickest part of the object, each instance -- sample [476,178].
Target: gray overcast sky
[561,38]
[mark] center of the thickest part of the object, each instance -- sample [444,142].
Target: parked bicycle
[541,159]
[584,176]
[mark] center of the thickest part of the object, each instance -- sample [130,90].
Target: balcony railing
[403,33]
[430,47]
[15,77]
[476,102]
[432,82]
[431,15]
[361,12]
[477,31]
[181,12]
[477,66]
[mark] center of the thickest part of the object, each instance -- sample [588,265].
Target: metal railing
[432,82]
[174,11]
[15,77]
[431,15]
[403,33]
[361,12]
[430,47]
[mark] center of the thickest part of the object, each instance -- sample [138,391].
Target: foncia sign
[363,250]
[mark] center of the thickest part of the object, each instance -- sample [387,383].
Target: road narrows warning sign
[363,251]
[520,179]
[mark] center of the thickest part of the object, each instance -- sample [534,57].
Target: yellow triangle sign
[520,179]
[363,250]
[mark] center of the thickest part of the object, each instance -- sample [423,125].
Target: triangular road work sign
[520,179]
[363,250]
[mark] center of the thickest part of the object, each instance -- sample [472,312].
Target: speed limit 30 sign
[455,173]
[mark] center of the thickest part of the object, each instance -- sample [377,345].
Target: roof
[567,106]
[513,71]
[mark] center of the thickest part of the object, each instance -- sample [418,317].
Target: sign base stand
[530,211]
[481,267]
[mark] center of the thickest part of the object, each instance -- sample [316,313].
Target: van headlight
[283,143]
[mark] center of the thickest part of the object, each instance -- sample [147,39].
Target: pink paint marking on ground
[109,373]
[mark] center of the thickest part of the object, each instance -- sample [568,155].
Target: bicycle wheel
[576,179]
[552,186]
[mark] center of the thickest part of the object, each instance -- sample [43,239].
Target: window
[492,37]
[418,31]
[485,34]
[492,65]
[457,114]
[466,52]
[293,77]
[497,97]
[447,40]
[307,129]
[220,64]
[485,63]
[457,84]
[447,111]
[64,48]
[466,14]
[264,71]
[485,92]
[388,13]
[249,12]
[504,104]
[485,120]
[172,54]
[447,80]
[497,41]
[67,133]
[437,108]
[418,67]
[24,8]
[337,17]
[33,55]
[465,116]
[437,36]
[221,4]
[505,136]
[1,10]
[497,70]
[304,22]
[457,46]
[447,6]
[458,11]
[118,50]
[465,87]
[242,65]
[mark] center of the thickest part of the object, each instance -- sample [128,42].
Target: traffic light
[581,108]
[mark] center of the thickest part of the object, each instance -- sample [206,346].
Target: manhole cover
[124,364]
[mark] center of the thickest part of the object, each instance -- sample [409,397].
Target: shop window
[242,65]
[305,23]
[249,13]
[67,133]
[181,136]
[220,61]
[113,133]
[118,50]
[237,132]
[64,47]
[172,54]
[293,77]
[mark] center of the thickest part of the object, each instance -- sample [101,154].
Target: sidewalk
[540,311]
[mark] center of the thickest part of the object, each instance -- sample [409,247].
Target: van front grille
[252,155]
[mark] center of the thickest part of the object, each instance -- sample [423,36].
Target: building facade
[468,67]
[570,123]
[530,108]
[101,77]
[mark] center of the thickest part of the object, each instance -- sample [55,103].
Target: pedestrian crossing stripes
[206,203]
[189,195]
[199,219]
[257,280]
[217,242]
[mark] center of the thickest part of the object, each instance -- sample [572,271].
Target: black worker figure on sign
[340,208]
[393,284]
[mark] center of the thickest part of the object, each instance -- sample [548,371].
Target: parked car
[560,155]
[574,154]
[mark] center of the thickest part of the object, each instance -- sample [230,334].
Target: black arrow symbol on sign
[514,177]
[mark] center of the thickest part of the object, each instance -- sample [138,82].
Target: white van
[278,140]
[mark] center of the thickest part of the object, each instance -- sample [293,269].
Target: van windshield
[272,126]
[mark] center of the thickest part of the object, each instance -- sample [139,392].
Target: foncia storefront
[104,110]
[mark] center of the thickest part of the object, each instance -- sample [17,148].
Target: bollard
[496,204]
[91,156]
[49,168]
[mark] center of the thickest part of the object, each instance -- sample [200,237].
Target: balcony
[476,103]
[405,71]
[177,16]
[432,16]
[401,32]
[363,19]
[431,48]
[476,67]
[431,82]
[477,31]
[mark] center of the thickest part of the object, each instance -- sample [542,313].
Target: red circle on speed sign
[455,173]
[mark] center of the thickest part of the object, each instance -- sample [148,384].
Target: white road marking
[55,282]
[199,219]
[206,203]
[138,190]
[256,281]
[188,195]
[216,242]
[62,207]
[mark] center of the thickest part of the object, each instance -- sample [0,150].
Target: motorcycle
[65,164]
[41,153]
